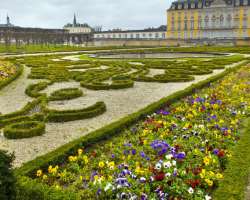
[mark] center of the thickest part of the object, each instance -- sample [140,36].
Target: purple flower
[216,151]
[144,197]
[143,155]
[98,192]
[113,156]
[133,151]
[214,117]
[180,155]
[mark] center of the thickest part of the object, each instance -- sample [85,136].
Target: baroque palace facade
[209,19]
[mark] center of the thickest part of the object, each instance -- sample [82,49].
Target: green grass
[51,48]
[234,185]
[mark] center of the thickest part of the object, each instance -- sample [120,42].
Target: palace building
[78,28]
[209,19]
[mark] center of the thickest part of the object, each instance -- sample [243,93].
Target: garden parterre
[179,152]
[99,74]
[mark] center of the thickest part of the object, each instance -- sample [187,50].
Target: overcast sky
[125,14]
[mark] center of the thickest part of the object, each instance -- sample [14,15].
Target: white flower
[167,164]
[207,197]
[190,190]
[158,166]
[174,163]
[168,174]
[169,156]
[108,186]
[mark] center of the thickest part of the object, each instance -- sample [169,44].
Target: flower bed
[180,152]
[8,73]
[24,129]
[66,94]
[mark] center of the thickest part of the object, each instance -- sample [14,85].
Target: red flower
[194,183]
[221,153]
[159,177]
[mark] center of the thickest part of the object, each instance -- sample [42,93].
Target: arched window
[199,22]
[185,23]
[213,21]
[192,23]
[221,20]
[229,21]
[206,21]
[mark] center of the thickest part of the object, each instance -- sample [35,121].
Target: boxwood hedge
[71,115]
[66,94]
[25,129]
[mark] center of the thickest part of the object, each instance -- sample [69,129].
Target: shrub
[66,94]
[7,179]
[33,89]
[71,115]
[25,129]
[117,84]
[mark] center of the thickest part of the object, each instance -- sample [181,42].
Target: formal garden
[86,126]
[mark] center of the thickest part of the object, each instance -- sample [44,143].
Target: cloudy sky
[126,14]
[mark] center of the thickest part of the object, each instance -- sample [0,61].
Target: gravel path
[12,97]
[119,104]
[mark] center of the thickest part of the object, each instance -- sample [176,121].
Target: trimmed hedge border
[118,84]
[25,129]
[12,78]
[66,94]
[26,184]
[33,89]
[25,110]
[71,115]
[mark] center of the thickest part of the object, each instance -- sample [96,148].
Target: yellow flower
[219,176]
[80,152]
[96,177]
[101,164]
[57,187]
[81,178]
[211,174]
[203,173]
[39,173]
[86,160]
[45,177]
[50,169]
[72,158]
[206,160]
[111,165]
[209,182]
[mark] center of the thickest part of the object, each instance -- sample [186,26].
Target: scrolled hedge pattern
[25,129]
[65,94]
[71,115]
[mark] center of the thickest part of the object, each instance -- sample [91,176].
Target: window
[221,20]
[192,23]
[206,22]
[131,36]
[213,21]
[229,21]
[163,35]
[137,35]
[156,35]
[185,23]
[199,22]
